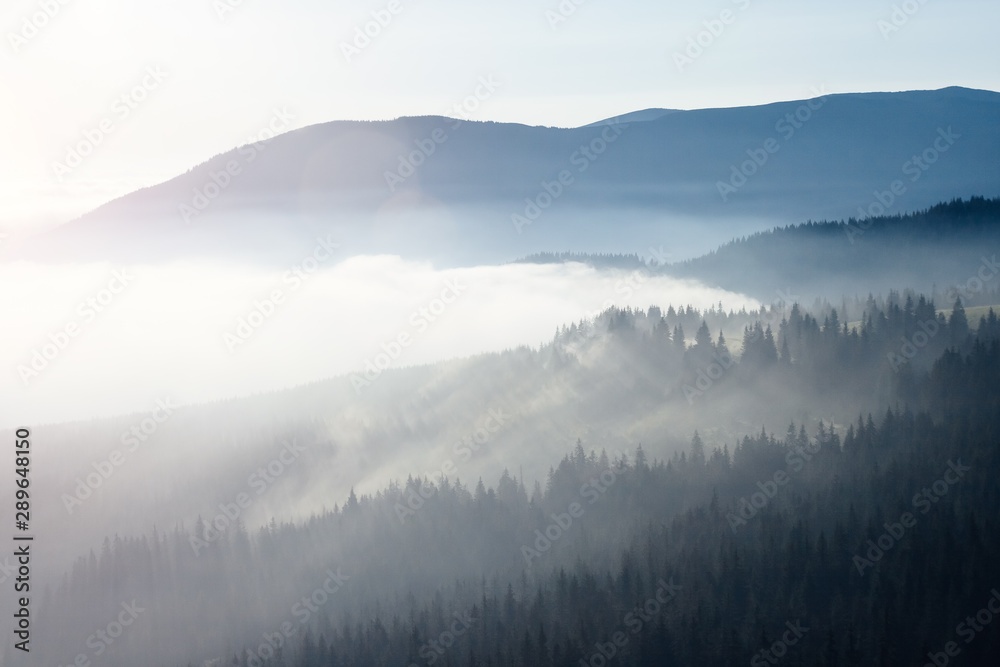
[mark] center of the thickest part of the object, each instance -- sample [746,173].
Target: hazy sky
[225,66]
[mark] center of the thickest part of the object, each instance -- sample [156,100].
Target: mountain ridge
[424,186]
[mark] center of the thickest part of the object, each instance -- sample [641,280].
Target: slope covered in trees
[699,557]
[945,250]
[942,247]
[649,376]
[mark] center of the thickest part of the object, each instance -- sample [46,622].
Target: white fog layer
[102,339]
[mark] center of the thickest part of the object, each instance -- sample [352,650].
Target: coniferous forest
[514,334]
[868,540]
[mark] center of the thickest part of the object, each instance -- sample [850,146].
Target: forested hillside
[700,557]
[944,245]
[626,377]
[520,334]
[946,250]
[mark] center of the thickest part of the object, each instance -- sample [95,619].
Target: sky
[152,89]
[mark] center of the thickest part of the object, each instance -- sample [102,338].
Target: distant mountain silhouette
[950,244]
[484,192]
[936,249]
[636,117]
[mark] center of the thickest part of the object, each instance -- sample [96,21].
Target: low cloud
[165,333]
